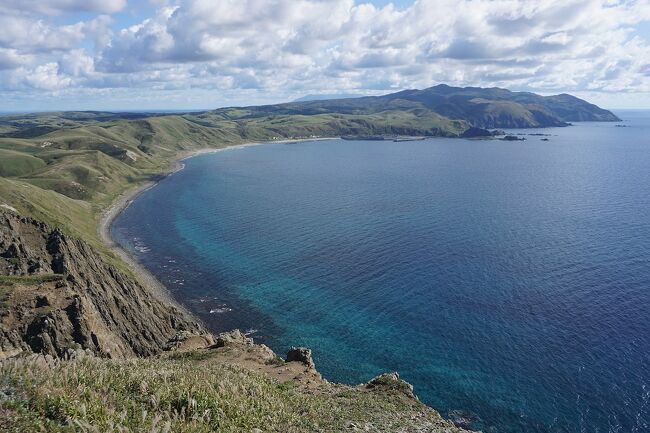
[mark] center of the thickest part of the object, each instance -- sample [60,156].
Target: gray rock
[301,354]
[91,305]
[232,337]
[391,382]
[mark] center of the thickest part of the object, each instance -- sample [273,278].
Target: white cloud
[55,7]
[77,63]
[291,47]
[32,35]
[44,77]
[11,59]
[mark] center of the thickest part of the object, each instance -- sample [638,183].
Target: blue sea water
[506,280]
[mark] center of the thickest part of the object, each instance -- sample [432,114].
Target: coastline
[124,200]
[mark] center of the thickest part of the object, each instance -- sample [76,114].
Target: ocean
[509,282]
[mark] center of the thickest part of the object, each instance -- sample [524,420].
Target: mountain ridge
[480,107]
[66,294]
[440,110]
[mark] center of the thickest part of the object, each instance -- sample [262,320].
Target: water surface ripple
[507,280]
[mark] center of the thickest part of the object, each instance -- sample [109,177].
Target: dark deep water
[508,280]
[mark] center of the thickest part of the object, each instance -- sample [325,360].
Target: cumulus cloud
[31,35]
[55,7]
[47,77]
[287,37]
[289,47]
[11,59]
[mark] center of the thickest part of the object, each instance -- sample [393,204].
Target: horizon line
[187,110]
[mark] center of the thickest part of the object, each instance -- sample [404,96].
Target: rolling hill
[91,157]
[64,293]
[478,107]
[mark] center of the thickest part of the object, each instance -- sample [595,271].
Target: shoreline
[124,200]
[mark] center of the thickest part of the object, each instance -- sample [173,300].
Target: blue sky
[181,54]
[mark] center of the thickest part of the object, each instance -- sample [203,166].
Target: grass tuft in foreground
[186,394]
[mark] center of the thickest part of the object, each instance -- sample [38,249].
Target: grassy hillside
[68,176]
[93,158]
[65,168]
[478,107]
[200,392]
[13,163]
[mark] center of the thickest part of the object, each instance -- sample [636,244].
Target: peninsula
[89,340]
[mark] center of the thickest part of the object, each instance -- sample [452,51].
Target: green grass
[90,175]
[7,283]
[183,395]
[28,279]
[69,176]
[14,163]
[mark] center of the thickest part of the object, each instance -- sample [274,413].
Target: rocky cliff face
[59,299]
[58,295]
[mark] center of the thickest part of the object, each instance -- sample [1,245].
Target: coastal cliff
[233,385]
[86,344]
[58,296]
[85,347]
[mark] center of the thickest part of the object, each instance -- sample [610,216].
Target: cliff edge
[84,347]
[233,385]
[57,295]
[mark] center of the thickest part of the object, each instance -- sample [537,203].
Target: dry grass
[187,394]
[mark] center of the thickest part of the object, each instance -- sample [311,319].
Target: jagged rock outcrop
[391,382]
[236,342]
[57,294]
[234,337]
[302,355]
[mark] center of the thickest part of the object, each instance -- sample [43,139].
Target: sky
[202,54]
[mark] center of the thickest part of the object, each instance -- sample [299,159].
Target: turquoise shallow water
[506,280]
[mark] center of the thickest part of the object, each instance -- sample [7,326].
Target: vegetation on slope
[66,168]
[92,157]
[14,163]
[478,107]
[197,392]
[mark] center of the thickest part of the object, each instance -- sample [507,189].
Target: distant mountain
[324,97]
[479,107]
[437,111]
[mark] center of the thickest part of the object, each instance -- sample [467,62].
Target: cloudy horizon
[200,54]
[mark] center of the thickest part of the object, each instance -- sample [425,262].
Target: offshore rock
[512,138]
[474,132]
